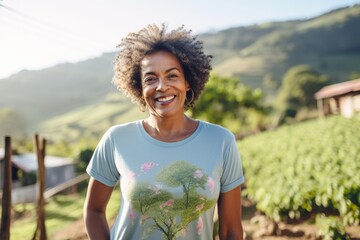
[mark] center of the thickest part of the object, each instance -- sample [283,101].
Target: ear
[187,85]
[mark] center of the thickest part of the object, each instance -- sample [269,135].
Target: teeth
[164,99]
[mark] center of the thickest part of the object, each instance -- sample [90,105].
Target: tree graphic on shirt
[162,211]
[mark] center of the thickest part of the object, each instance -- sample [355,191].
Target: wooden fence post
[6,197]
[40,231]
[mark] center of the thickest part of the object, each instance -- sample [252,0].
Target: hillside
[330,43]
[39,95]
[91,120]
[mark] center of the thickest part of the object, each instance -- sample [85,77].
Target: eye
[150,79]
[172,76]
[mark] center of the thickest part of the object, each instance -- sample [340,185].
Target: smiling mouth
[165,99]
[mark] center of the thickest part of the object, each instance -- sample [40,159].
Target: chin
[166,113]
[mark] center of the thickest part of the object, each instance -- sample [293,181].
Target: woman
[173,170]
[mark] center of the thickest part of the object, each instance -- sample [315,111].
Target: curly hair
[153,38]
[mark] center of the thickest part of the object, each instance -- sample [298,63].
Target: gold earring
[142,107]
[192,95]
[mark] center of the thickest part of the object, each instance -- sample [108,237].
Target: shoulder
[122,128]
[119,131]
[217,130]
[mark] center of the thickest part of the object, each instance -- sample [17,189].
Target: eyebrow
[167,71]
[170,69]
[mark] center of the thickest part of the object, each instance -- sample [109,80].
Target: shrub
[331,228]
[309,167]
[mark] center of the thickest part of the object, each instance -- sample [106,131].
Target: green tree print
[161,210]
[184,174]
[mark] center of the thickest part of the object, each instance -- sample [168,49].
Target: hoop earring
[192,95]
[142,107]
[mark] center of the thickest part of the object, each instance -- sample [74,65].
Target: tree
[227,99]
[182,174]
[297,90]
[84,159]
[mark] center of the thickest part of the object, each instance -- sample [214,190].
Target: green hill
[53,99]
[40,95]
[91,120]
[330,43]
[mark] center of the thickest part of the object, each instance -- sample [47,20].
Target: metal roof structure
[28,162]
[338,89]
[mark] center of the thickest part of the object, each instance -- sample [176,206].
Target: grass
[61,211]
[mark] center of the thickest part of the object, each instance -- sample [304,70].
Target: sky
[40,33]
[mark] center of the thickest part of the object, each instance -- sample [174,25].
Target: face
[163,84]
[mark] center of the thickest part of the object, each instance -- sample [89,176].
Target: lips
[165,99]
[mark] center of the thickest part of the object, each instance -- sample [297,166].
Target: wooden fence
[6,197]
[37,189]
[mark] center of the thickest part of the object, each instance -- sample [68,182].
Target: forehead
[159,61]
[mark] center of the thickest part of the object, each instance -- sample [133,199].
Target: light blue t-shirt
[168,190]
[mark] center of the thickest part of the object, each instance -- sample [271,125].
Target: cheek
[147,90]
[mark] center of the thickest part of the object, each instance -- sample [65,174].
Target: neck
[170,129]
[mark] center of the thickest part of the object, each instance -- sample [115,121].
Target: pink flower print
[129,178]
[168,203]
[198,174]
[131,216]
[146,167]
[199,207]
[211,184]
[200,225]
[131,175]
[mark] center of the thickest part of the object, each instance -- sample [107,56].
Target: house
[341,98]
[24,169]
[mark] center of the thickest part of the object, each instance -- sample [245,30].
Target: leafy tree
[298,88]
[227,98]
[145,197]
[182,174]
[84,158]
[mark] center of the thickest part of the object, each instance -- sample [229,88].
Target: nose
[162,85]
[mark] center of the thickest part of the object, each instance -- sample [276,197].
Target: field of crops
[305,169]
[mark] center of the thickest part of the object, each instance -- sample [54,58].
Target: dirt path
[75,231]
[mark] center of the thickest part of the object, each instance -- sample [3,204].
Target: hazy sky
[35,34]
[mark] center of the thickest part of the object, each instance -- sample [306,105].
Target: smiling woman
[172,169]
[194,64]
[163,84]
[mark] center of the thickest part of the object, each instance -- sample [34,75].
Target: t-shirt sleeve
[232,169]
[102,164]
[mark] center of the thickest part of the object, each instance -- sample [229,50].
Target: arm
[97,198]
[229,210]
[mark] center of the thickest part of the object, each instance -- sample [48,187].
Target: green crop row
[311,167]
